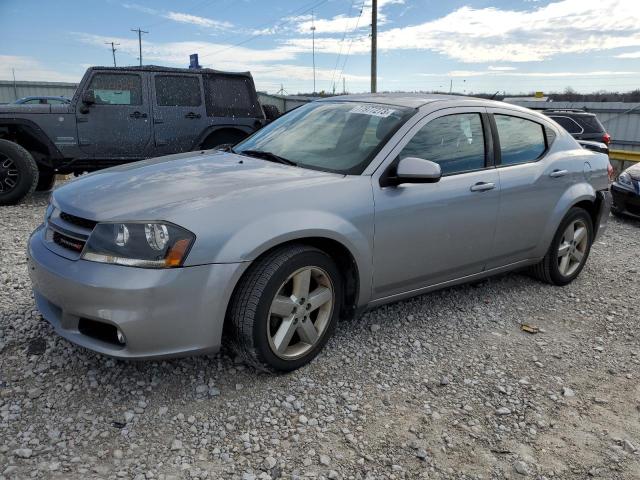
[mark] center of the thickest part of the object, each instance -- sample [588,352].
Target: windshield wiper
[272,157]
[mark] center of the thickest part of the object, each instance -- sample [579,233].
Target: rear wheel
[285,308]
[569,249]
[18,173]
[223,137]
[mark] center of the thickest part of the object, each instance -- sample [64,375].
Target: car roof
[569,112]
[417,100]
[158,68]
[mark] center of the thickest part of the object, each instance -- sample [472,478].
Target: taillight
[610,172]
[606,138]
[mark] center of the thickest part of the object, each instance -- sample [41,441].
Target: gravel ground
[446,385]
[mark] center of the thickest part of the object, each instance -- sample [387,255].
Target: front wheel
[569,249]
[285,308]
[18,173]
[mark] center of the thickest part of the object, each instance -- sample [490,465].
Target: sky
[517,46]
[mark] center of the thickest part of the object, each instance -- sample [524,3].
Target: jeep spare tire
[18,173]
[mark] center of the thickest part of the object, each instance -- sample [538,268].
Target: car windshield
[339,137]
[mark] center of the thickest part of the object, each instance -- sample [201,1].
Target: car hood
[634,172]
[159,188]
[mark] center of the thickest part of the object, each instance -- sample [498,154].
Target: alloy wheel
[8,174]
[573,247]
[300,312]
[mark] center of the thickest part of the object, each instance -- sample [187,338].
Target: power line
[113,50]
[344,35]
[140,32]
[355,29]
[280,21]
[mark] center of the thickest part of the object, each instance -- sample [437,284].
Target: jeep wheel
[285,308]
[46,180]
[18,173]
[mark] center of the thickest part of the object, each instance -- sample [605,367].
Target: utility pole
[374,45]
[450,86]
[113,50]
[140,32]
[344,89]
[313,43]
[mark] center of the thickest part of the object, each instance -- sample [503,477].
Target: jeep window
[178,91]
[521,140]
[231,96]
[569,124]
[341,137]
[455,142]
[116,89]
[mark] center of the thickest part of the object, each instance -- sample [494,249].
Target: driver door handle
[482,186]
[558,173]
[192,115]
[137,114]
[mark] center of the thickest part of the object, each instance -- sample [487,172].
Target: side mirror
[414,170]
[88,97]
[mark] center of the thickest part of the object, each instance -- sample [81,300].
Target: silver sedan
[340,205]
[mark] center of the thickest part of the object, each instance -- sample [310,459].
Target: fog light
[120,336]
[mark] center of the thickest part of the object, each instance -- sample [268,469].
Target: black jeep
[120,115]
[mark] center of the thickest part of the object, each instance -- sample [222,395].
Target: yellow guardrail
[624,155]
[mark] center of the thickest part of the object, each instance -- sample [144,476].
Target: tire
[223,137]
[18,173]
[553,268]
[258,325]
[46,180]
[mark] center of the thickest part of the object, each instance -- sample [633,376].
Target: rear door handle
[192,115]
[137,114]
[558,173]
[482,187]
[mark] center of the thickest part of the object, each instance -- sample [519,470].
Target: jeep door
[117,125]
[179,114]
[430,233]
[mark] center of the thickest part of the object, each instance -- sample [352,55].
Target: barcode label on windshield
[373,111]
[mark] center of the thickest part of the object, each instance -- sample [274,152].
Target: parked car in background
[274,239]
[120,115]
[42,101]
[580,124]
[626,192]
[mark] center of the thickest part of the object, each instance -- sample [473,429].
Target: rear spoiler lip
[594,146]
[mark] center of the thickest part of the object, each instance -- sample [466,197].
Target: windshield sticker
[373,111]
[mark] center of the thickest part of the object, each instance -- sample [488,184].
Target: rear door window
[178,91]
[116,89]
[521,140]
[230,96]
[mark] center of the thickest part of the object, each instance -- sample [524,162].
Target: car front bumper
[161,312]
[625,201]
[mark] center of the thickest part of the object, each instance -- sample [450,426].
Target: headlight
[147,245]
[625,180]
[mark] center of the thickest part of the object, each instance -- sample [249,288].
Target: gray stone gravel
[441,386]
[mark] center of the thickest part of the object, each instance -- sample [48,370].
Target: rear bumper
[162,313]
[625,201]
[603,199]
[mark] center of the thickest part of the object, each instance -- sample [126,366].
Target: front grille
[67,242]
[80,222]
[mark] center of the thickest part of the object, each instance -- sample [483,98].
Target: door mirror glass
[416,170]
[88,97]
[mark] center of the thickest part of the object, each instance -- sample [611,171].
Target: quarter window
[521,140]
[116,89]
[178,91]
[455,142]
[230,96]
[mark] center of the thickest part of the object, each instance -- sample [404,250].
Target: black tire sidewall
[260,334]
[28,172]
[573,215]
